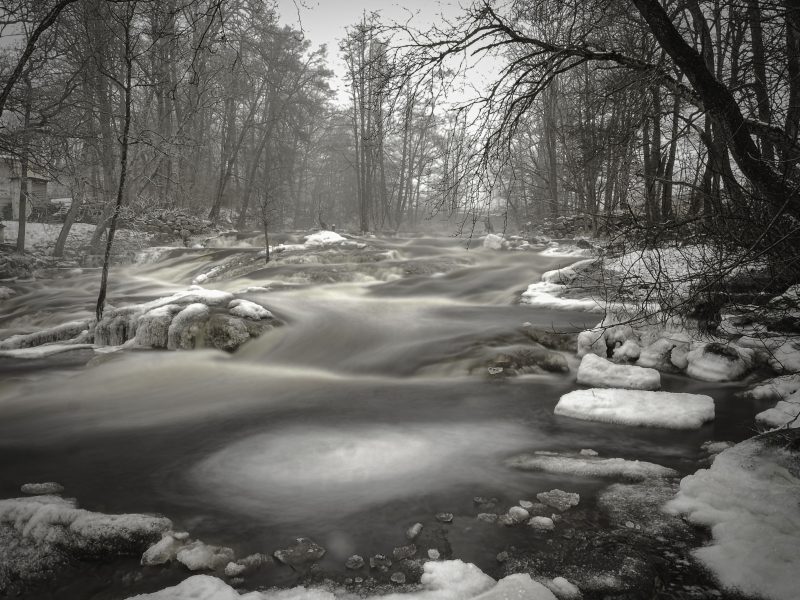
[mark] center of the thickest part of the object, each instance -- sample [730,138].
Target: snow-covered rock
[786,357]
[324,238]
[493,241]
[719,362]
[550,295]
[628,351]
[748,497]
[164,550]
[638,408]
[589,466]
[38,533]
[784,413]
[189,319]
[599,372]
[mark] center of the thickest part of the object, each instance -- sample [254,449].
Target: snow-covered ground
[749,500]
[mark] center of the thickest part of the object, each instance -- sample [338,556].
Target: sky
[325,21]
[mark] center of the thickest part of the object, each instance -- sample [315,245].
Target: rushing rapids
[371,409]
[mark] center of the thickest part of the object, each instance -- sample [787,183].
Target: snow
[557,249]
[599,372]
[323,238]
[441,580]
[547,295]
[748,497]
[717,362]
[563,589]
[638,408]
[248,310]
[783,414]
[589,466]
[493,242]
[47,520]
[566,275]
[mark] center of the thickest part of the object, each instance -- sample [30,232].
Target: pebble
[518,514]
[354,562]
[559,499]
[433,554]
[414,531]
[380,561]
[398,578]
[444,517]
[403,552]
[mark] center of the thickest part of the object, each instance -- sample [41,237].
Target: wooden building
[9,188]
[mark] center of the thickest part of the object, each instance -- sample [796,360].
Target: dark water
[355,420]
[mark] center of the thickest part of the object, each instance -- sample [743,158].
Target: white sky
[325,21]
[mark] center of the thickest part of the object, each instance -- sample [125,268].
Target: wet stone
[502,557]
[559,499]
[303,552]
[518,514]
[403,552]
[380,561]
[433,554]
[485,504]
[444,517]
[398,578]
[354,562]
[487,517]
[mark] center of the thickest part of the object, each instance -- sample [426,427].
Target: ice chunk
[590,466]
[596,371]
[638,408]
[198,556]
[42,489]
[748,497]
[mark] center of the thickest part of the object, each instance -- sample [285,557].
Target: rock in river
[303,552]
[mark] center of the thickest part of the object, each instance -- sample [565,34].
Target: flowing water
[365,413]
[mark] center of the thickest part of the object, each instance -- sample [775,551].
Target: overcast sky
[325,21]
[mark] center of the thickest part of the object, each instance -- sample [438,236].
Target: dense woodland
[667,118]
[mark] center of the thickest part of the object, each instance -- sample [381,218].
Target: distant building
[9,188]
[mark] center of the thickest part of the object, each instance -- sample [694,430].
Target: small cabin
[9,188]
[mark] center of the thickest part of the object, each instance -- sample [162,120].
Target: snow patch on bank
[638,408]
[749,499]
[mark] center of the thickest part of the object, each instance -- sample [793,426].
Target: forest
[482,300]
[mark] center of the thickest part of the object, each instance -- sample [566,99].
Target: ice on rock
[638,408]
[186,325]
[60,333]
[493,241]
[719,362]
[248,310]
[748,497]
[599,372]
[197,556]
[590,466]
[42,489]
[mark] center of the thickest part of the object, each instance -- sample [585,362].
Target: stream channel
[362,415]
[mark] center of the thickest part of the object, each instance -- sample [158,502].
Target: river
[363,414]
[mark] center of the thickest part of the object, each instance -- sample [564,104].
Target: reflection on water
[349,468]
